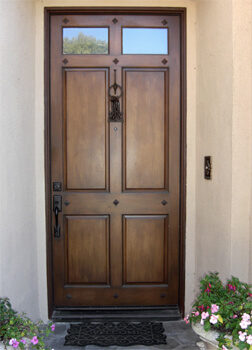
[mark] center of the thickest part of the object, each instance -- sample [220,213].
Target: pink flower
[15,344]
[234,316]
[201,307]
[186,319]
[195,313]
[224,348]
[244,324]
[231,287]
[242,335]
[23,341]
[214,308]
[213,319]
[53,327]
[246,317]
[12,341]
[207,290]
[249,339]
[204,315]
[34,340]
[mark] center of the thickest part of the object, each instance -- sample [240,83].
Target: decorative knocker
[115,115]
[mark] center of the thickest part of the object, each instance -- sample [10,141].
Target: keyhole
[115,129]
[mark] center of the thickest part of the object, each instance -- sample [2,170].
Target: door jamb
[48,12]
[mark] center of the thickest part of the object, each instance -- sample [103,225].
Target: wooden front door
[115,160]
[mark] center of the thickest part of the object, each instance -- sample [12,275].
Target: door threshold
[132,314]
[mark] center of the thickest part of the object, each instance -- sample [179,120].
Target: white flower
[246,317]
[242,336]
[213,319]
[249,339]
[244,324]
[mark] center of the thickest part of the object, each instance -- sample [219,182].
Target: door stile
[115,189]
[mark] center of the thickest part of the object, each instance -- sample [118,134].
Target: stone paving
[178,336]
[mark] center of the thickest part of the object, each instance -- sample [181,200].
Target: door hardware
[115,115]
[57,186]
[57,207]
[208,168]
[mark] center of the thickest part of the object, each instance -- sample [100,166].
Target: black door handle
[57,207]
[56,227]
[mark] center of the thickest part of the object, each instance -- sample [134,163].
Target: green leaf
[207,326]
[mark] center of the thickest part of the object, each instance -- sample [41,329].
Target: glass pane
[145,41]
[85,41]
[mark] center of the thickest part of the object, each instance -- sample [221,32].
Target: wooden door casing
[134,244]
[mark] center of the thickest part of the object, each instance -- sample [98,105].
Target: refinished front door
[115,159]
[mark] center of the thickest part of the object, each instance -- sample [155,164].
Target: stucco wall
[241,140]
[214,136]
[223,205]
[218,124]
[18,228]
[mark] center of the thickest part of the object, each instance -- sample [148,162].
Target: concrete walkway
[178,336]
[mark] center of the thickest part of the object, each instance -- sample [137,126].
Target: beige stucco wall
[241,140]
[214,136]
[18,226]
[223,128]
[218,124]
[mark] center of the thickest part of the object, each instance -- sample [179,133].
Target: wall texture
[223,205]
[214,136]
[18,229]
[241,140]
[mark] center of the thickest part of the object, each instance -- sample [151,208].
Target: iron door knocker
[115,115]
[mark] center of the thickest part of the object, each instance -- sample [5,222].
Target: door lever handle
[56,227]
[57,207]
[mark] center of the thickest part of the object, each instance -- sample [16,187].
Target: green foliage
[18,327]
[84,44]
[225,308]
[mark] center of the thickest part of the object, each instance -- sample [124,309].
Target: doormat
[115,333]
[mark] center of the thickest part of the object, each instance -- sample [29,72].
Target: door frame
[181,12]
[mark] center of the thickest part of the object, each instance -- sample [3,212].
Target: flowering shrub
[226,309]
[16,329]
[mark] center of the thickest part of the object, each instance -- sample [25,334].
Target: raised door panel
[145,249]
[146,133]
[86,129]
[87,250]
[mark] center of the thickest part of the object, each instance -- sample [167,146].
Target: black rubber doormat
[115,333]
